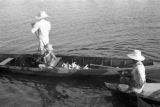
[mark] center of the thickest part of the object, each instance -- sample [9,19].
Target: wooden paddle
[114,68]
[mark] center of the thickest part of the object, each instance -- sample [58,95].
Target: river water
[105,28]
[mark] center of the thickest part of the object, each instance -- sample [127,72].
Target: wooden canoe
[97,66]
[149,97]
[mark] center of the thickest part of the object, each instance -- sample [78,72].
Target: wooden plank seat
[7,60]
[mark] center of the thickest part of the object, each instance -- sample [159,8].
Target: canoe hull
[132,99]
[56,71]
[26,64]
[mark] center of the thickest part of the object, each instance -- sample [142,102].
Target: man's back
[44,26]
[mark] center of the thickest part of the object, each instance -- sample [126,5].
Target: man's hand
[32,24]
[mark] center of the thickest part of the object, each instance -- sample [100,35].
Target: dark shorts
[131,82]
[138,84]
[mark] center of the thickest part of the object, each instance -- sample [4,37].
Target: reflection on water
[20,90]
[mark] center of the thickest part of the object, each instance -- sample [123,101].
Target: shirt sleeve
[35,28]
[49,26]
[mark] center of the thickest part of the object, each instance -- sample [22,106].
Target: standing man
[42,28]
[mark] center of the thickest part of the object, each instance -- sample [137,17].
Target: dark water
[19,91]
[109,28]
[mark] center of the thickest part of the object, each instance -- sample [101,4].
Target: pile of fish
[73,66]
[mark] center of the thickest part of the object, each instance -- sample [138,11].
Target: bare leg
[41,52]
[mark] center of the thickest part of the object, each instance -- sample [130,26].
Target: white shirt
[139,72]
[44,27]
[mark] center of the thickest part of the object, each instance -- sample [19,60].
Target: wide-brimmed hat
[49,47]
[136,55]
[42,15]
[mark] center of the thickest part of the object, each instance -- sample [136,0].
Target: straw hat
[136,55]
[49,47]
[41,15]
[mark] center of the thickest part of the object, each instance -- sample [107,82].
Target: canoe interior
[29,60]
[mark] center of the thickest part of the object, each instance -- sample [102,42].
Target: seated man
[138,76]
[49,57]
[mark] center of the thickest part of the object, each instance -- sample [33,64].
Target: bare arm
[35,27]
[53,55]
